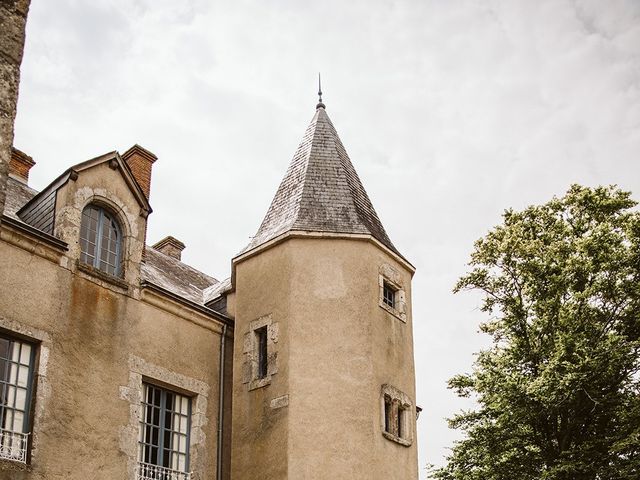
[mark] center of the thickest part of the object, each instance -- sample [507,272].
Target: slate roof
[216,290]
[321,191]
[176,277]
[18,194]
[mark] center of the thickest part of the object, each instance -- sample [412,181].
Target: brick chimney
[140,160]
[170,246]
[20,164]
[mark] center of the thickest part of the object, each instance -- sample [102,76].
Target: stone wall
[98,338]
[321,415]
[13,19]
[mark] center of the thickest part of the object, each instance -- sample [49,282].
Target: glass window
[389,295]
[261,334]
[16,372]
[100,240]
[163,443]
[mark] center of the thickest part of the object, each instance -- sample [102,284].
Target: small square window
[389,295]
[392,295]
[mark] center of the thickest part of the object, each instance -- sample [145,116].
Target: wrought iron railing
[147,471]
[13,445]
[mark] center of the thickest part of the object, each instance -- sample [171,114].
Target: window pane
[7,421]
[13,373]
[23,375]
[5,346]
[18,420]
[25,354]
[11,396]
[21,399]
[15,351]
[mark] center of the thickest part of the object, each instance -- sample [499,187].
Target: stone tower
[324,383]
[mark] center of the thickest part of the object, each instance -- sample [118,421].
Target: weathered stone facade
[300,365]
[317,268]
[99,336]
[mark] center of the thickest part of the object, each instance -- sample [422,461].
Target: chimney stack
[20,165]
[170,246]
[140,161]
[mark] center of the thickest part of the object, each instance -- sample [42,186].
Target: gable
[106,171]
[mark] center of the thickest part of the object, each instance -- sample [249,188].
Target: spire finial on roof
[320,104]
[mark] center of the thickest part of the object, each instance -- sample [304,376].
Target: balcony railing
[147,471]
[13,446]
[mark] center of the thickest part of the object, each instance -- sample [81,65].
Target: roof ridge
[181,264]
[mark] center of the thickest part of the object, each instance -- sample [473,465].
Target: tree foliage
[558,391]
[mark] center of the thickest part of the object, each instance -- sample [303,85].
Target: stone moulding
[388,274]
[250,350]
[140,370]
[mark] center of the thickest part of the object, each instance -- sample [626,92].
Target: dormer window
[101,240]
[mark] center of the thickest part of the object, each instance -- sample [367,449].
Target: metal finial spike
[320,104]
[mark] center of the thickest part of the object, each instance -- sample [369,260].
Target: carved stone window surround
[250,368]
[390,277]
[396,415]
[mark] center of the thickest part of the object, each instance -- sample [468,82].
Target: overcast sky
[451,111]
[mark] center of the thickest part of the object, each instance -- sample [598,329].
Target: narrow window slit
[261,337]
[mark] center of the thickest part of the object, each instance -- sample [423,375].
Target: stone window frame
[389,294]
[250,368]
[400,405]
[389,276]
[68,220]
[41,387]
[174,453]
[141,371]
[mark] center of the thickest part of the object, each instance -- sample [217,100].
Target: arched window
[101,240]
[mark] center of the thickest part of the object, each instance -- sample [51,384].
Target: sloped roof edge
[70,172]
[321,192]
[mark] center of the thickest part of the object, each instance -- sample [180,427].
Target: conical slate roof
[321,191]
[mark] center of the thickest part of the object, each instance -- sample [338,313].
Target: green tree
[558,391]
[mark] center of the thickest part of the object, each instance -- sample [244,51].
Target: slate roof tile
[173,275]
[18,194]
[321,191]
